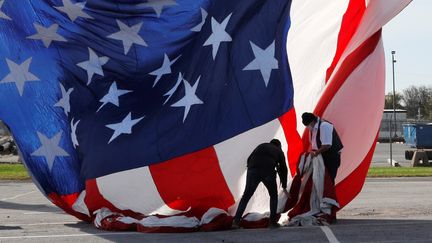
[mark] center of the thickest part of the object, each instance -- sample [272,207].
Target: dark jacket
[333,150]
[266,159]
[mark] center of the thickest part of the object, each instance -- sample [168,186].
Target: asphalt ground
[387,210]
[381,155]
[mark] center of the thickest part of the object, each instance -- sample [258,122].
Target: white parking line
[17,196]
[41,224]
[329,234]
[63,236]
[33,213]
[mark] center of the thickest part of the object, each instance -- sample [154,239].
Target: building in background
[397,130]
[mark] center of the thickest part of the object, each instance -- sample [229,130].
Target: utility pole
[394,111]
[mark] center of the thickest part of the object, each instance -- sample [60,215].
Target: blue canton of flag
[97,87]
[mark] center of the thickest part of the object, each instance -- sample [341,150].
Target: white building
[387,119]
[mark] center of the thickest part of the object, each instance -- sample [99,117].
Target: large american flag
[152,107]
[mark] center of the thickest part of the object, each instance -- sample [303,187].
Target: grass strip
[13,172]
[399,171]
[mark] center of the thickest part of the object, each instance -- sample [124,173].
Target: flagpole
[394,109]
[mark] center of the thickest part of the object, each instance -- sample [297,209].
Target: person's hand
[314,153]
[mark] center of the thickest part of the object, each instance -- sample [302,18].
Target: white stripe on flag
[134,190]
[311,46]
[377,14]
[357,116]
[232,155]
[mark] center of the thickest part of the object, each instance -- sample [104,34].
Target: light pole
[394,110]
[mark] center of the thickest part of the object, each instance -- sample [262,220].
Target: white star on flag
[64,101]
[112,96]
[19,74]
[128,35]
[189,99]
[124,127]
[3,15]
[74,126]
[171,91]
[50,148]
[158,5]
[264,61]
[198,27]
[165,69]
[47,35]
[73,11]
[219,35]
[93,65]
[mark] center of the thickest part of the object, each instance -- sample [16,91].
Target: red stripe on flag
[65,202]
[348,66]
[352,61]
[350,23]
[348,189]
[193,181]
[295,145]
[94,201]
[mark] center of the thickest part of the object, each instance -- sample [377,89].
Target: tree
[388,104]
[418,102]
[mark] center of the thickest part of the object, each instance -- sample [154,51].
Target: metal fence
[3,129]
[396,128]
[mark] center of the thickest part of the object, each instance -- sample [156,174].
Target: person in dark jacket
[262,165]
[324,140]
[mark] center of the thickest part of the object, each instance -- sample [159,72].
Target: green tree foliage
[418,102]
[398,101]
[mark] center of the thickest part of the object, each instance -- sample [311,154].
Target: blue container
[418,135]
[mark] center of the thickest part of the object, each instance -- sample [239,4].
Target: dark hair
[276,142]
[308,118]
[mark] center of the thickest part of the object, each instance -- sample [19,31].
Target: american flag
[153,106]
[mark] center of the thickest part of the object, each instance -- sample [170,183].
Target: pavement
[9,159]
[387,210]
[381,155]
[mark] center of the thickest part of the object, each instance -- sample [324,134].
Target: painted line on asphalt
[17,196]
[34,212]
[42,224]
[329,234]
[70,235]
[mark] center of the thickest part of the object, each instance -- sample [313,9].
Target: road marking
[17,196]
[32,213]
[329,234]
[41,224]
[70,235]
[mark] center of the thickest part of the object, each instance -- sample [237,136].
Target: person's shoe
[333,218]
[273,225]
[235,225]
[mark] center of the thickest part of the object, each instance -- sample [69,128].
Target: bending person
[262,164]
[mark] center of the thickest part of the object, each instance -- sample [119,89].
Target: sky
[410,35]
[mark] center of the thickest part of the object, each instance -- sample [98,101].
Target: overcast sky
[410,35]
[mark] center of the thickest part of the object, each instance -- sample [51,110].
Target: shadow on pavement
[10,227]
[29,207]
[346,230]
[383,230]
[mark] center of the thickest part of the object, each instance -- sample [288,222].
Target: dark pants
[253,179]
[332,163]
